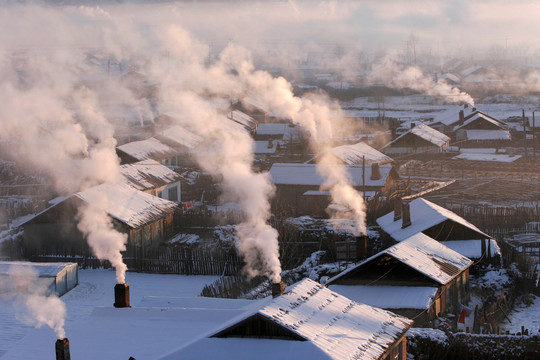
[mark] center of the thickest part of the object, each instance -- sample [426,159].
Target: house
[243,119]
[423,216]
[183,141]
[151,177]
[418,278]
[308,321]
[294,181]
[150,148]
[446,121]
[251,107]
[355,154]
[50,278]
[419,139]
[146,220]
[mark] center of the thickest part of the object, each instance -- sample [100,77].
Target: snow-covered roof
[332,327]
[389,297]
[265,147]
[243,119]
[25,267]
[504,158]
[132,207]
[181,136]
[424,215]
[451,117]
[426,133]
[282,130]
[306,174]
[148,174]
[487,134]
[250,102]
[471,70]
[148,149]
[480,116]
[353,154]
[423,254]
[472,248]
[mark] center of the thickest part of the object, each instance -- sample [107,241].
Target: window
[173,194]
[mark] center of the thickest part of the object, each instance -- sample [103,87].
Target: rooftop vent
[278,289]
[397,208]
[375,171]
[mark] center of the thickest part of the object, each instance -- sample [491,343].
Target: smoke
[34,305]
[390,73]
[105,241]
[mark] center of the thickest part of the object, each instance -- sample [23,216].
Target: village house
[151,177]
[243,119]
[308,320]
[423,216]
[295,182]
[183,141]
[145,219]
[420,139]
[418,278]
[249,106]
[150,148]
[355,154]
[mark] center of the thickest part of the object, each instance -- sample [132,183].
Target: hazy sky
[441,27]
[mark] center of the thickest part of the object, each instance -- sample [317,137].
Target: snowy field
[526,316]
[95,289]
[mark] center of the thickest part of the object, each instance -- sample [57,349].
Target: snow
[389,297]
[43,269]
[424,132]
[243,119]
[471,248]
[147,149]
[334,327]
[127,205]
[488,135]
[502,158]
[306,174]
[104,332]
[353,154]
[435,335]
[182,136]
[265,147]
[525,315]
[424,215]
[148,174]
[424,255]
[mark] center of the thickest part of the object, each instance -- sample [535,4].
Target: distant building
[419,139]
[355,154]
[146,149]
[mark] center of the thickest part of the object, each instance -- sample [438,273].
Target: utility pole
[524,133]
[364,176]
[534,138]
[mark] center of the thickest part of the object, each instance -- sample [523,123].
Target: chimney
[465,106]
[413,125]
[121,295]
[473,109]
[270,144]
[406,214]
[461,117]
[62,349]
[278,289]
[397,208]
[375,171]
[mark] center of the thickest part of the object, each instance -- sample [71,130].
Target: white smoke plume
[104,240]
[390,73]
[34,305]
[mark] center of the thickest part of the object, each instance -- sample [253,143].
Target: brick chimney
[121,296]
[375,171]
[62,349]
[397,208]
[278,289]
[406,214]
[461,117]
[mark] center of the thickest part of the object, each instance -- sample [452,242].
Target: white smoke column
[35,306]
[312,112]
[105,241]
[389,73]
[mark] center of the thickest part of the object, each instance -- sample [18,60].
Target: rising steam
[35,306]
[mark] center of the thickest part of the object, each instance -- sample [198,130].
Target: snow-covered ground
[524,315]
[95,289]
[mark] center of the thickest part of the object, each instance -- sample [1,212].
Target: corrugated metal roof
[148,174]
[148,149]
[425,255]
[424,132]
[132,207]
[341,328]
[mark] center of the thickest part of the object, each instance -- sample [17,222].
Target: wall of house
[398,351]
[152,234]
